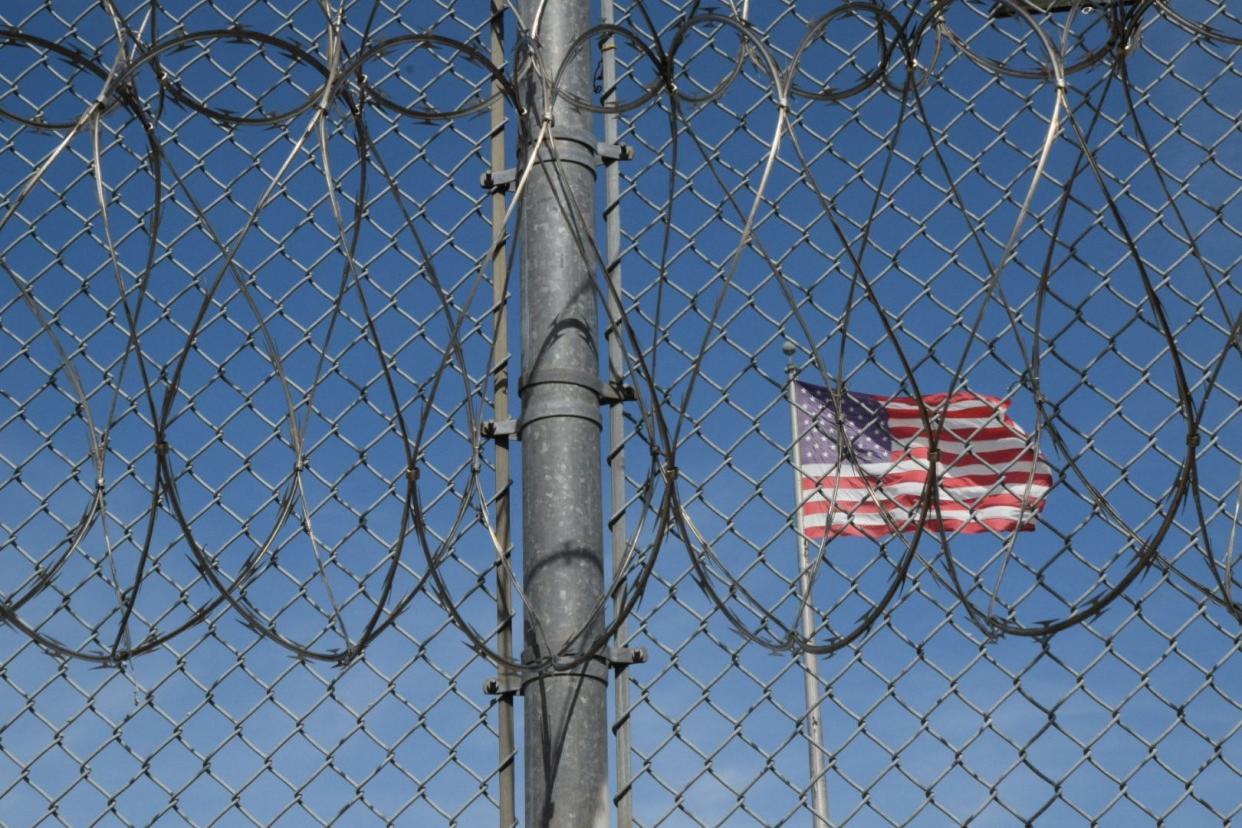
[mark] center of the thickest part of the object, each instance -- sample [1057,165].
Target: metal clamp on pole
[510,682]
[572,146]
[606,393]
[559,376]
[612,391]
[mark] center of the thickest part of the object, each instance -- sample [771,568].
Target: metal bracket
[621,657]
[617,392]
[512,684]
[609,153]
[498,181]
[505,684]
[493,429]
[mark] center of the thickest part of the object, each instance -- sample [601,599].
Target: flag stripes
[989,475]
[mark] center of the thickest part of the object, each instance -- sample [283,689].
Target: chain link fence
[256,436]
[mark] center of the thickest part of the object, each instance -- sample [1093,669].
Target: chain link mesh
[927,719]
[179,276]
[255,435]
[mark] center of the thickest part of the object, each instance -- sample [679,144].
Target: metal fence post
[500,382]
[565,712]
[616,424]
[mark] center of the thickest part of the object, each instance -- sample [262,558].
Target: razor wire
[130,91]
[345,85]
[1122,26]
[337,79]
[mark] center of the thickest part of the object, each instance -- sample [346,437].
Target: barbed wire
[139,86]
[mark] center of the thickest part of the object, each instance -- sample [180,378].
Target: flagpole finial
[788,349]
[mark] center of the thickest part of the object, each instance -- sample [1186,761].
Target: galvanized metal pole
[624,796]
[566,716]
[507,793]
[810,662]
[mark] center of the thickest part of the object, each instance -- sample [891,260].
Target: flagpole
[810,661]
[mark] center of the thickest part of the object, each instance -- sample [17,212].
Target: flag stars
[862,422]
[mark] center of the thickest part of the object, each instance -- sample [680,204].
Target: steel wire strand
[1203,30]
[687,531]
[1186,473]
[571,654]
[42,580]
[1056,71]
[347,241]
[931,421]
[792,640]
[928,418]
[435,559]
[409,520]
[1086,158]
[453,354]
[97,508]
[985,618]
[1181,484]
[1224,580]
[1101,503]
[1025,12]
[133,344]
[165,476]
[1179,487]
[814,30]
[205,564]
[233,593]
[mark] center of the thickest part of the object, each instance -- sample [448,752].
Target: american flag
[989,475]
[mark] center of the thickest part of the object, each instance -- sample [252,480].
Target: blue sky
[1129,715]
